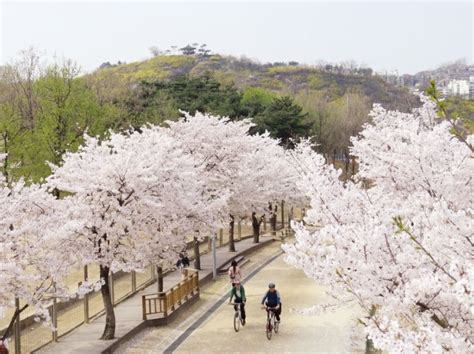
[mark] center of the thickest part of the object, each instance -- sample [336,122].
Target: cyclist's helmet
[271,286]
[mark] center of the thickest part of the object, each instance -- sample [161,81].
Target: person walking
[183,264]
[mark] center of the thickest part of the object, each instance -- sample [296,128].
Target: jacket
[272,298]
[233,293]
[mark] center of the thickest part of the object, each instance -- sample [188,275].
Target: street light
[214,260]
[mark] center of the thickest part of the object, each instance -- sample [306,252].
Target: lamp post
[214,260]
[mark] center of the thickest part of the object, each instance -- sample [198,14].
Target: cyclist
[272,301]
[234,273]
[238,292]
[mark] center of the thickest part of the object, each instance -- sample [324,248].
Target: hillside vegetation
[45,110]
[278,77]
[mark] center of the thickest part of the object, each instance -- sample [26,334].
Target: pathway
[85,339]
[208,327]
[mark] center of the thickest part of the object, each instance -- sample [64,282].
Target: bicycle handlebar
[264,307]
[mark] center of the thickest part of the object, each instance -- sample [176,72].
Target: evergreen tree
[285,120]
[195,94]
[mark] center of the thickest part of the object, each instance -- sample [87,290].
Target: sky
[397,35]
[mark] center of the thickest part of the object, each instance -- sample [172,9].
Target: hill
[279,78]
[45,110]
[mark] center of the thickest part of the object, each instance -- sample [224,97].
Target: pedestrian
[235,275]
[183,264]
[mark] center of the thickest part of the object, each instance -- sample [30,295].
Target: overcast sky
[408,36]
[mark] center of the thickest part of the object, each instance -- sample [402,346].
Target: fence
[29,335]
[162,304]
[66,316]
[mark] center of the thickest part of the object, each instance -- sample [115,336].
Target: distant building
[471,87]
[457,88]
[392,77]
[408,80]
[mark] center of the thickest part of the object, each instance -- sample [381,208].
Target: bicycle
[272,323]
[237,315]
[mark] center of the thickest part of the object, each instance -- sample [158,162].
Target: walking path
[85,339]
[326,333]
[208,326]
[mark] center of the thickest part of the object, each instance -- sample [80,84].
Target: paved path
[85,339]
[328,333]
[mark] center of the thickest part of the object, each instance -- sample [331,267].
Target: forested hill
[45,110]
[283,78]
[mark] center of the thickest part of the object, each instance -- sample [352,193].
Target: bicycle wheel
[275,327]
[236,321]
[269,328]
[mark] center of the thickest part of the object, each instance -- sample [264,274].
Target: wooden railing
[162,304]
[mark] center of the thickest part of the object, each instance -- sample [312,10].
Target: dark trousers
[242,307]
[277,311]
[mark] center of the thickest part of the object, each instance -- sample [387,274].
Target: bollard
[221,237]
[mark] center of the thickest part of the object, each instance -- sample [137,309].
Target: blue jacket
[272,298]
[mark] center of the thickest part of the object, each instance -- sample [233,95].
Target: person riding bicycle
[234,273]
[238,291]
[272,301]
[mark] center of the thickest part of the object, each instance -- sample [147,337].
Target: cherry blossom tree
[143,196]
[38,248]
[249,170]
[267,179]
[399,239]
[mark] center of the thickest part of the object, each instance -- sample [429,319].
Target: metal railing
[164,303]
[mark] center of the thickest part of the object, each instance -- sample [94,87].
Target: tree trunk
[256,228]
[369,347]
[109,330]
[273,219]
[159,276]
[282,214]
[197,255]
[231,234]
[17,313]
